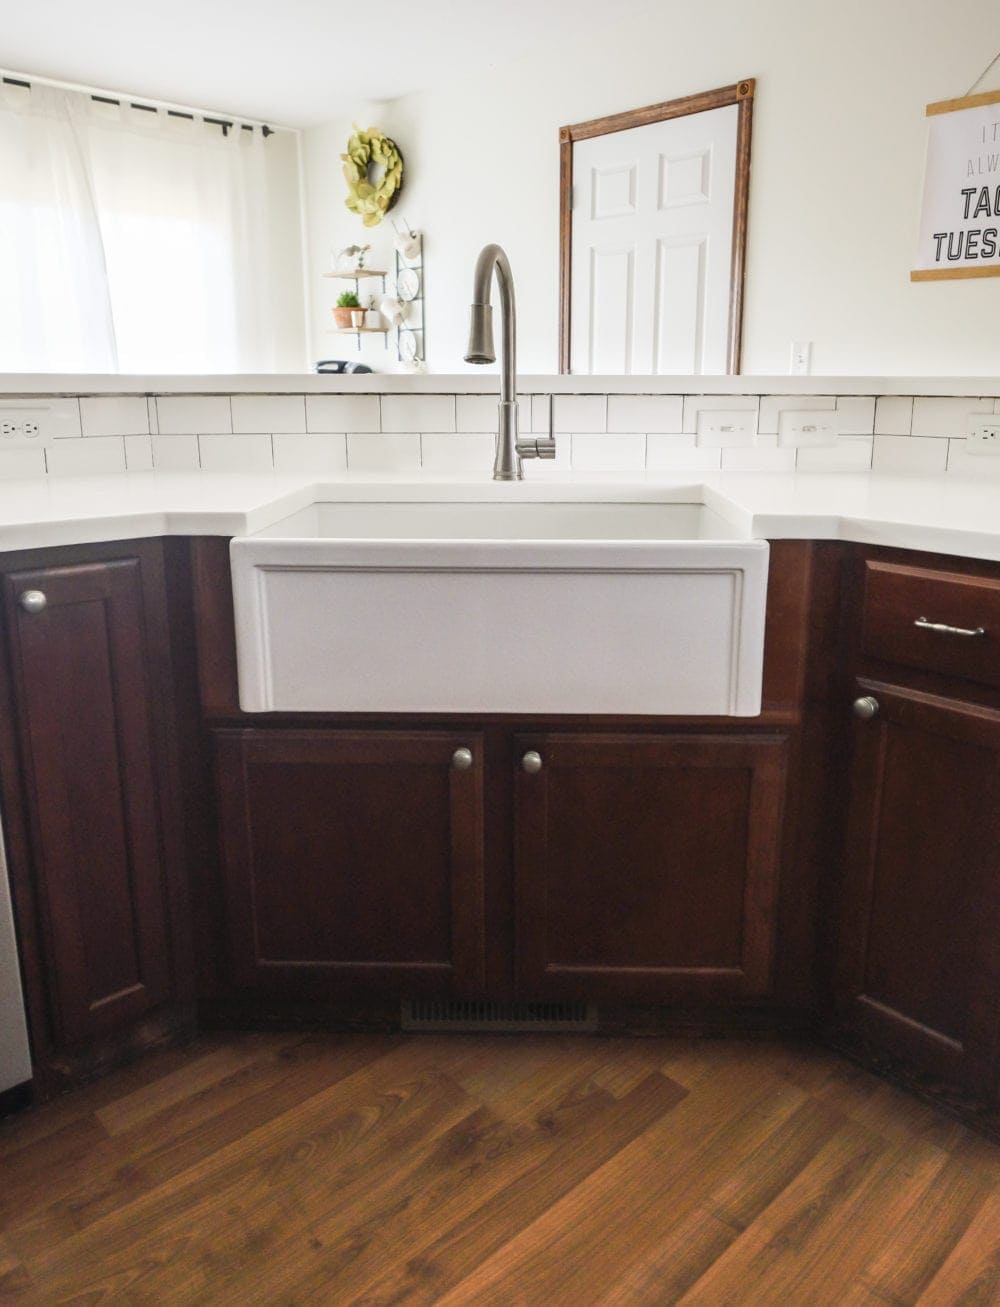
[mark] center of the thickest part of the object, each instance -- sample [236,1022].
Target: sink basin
[652,607]
[501,521]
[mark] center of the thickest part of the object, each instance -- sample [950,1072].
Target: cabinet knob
[531,762]
[462,759]
[866,707]
[32,601]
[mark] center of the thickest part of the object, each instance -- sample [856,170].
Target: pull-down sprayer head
[481,348]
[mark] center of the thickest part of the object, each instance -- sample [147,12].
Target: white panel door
[652,246]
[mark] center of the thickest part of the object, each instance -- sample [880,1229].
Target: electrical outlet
[22,426]
[797,430]
[983,439]
[726,429]
[800,360]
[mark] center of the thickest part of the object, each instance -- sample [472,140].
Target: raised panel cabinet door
[918,957]
[353,860]
[84,699]
[647,867]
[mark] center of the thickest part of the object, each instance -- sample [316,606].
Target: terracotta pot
[342,316]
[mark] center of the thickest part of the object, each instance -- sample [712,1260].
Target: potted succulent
[347,303]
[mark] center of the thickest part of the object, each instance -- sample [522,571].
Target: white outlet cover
[798,430]
[23,426]
[726,429]
[983,439]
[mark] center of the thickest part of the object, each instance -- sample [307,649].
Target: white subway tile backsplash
[269,413]
[22,463]
[175,453]
[586,413]
[971,465]
[856,415]
[416,413]
[771,407]
[392,453]
[893,415]
[600,453]
[448,452]
[478,413]
[680,453]
[693,405]
[764,456]
[99,454]
[302,453]
[225,453]
[138,453]
[182,415]
[114,415]
[910,454]
[650,413]
[340,414]
[849,454]
[946,417]
[456,433]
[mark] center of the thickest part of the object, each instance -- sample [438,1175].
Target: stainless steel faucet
[510,448]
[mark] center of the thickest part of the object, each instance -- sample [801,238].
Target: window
[132,240]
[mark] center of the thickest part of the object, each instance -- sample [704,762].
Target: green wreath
[371,201]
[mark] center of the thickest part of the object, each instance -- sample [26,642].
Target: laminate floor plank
[545,1171]
[496,1191]
[624,1209]
[57,1203]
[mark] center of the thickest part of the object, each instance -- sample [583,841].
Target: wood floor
[335,1169]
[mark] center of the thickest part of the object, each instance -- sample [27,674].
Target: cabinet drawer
[897,598]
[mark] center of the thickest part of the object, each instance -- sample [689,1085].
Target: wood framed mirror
[652,236]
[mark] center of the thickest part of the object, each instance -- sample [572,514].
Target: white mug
[392,309]
[408,244]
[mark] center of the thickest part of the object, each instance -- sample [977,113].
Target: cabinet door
[918,958]
[81,672]
[353,861]
[647,867]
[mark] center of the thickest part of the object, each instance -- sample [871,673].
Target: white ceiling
[297,62]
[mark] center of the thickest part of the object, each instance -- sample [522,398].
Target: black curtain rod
[224,123]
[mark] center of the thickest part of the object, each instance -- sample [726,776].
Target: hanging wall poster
[960,222]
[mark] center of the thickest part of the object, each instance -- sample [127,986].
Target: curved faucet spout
[492,259]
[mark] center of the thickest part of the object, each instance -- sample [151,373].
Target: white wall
[835,190]
[286,225]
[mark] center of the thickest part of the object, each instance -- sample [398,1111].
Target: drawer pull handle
[943,629]
[462,759]
[531,762]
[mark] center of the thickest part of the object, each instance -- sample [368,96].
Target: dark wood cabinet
[918,959]
[86,786]
[353,860]
[647,866]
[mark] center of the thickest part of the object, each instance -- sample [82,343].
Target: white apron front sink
[651,607]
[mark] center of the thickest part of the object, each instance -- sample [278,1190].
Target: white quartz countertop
[478,381]
[949,514]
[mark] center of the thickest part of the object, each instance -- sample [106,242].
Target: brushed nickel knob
[866,707]
[531,762]
[462,759]
[32,601]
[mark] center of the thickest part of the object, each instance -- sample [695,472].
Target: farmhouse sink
[624,607]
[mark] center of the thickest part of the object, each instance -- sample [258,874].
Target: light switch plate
[726,429]
[814,426]
[983,439]
[23,426]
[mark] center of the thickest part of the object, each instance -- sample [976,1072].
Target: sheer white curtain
[133,240]
[56,314]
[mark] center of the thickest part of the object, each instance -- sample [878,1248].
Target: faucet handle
[540,446]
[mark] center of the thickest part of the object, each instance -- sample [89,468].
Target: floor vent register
[459,1015]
